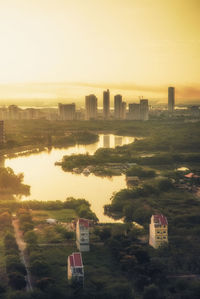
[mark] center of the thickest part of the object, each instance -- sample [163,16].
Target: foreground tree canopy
[12,184]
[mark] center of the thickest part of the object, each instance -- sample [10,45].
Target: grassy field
[63,215]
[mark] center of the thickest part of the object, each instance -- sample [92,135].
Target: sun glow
[142,41]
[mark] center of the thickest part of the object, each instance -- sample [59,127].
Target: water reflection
[50,182]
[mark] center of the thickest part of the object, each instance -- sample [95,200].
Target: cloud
[123,86]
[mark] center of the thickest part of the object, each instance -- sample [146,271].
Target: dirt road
[22,246]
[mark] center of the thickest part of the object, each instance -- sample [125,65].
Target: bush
[39,268]
[44,283]
[30,237]
[16,267]
[17,280]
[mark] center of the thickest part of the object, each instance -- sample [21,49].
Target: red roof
[189,175]
[160,219]
[75,260]
[83,222]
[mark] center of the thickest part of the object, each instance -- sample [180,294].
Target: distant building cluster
[120,110]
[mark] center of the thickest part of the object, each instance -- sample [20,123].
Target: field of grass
[63,215]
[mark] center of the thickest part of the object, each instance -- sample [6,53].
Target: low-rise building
[158,230]
[75,267]
[82,234]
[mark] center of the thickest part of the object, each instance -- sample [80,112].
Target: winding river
[50,182]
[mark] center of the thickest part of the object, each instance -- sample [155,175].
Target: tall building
[66,111]
[2,133]
[91,107]
[144,110]
[14,112]
[75,270]
[171,99]
[118,106]
[123,111]
[82,235]
[106,104]
[158,230]
[134,111]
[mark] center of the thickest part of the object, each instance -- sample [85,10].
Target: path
[22,246]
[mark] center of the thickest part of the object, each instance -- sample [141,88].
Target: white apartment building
[75,267]
[82,235]
[158,230]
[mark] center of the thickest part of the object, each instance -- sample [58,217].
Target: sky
[141,46]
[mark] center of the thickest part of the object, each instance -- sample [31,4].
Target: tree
[44,283]
[10,183]
[151,292]
[30,237]
[39,268]
[17,280]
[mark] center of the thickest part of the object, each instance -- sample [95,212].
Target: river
[50,182]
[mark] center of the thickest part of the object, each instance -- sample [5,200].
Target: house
[158,230]
[82,234]
[75,267]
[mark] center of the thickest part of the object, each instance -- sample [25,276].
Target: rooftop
[76,259]
[83,222]
[160,219]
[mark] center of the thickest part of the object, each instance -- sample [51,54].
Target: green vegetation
[11,184]
[140,172]
[13,268]
[166,144]
[40,133]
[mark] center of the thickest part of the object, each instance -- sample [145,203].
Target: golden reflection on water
[50,182]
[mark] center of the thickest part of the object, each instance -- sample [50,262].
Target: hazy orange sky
[125,42]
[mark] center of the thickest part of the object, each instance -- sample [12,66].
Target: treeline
[81,137]
[81,206]
[126,155]
[15,269]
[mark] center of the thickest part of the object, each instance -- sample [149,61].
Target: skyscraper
[67,111]
[144,110]
[90,107]
[134,111]
[171,99]
[123,112]
[118,106]
[106,104]
[2,134]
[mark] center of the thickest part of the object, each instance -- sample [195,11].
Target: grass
[63,215]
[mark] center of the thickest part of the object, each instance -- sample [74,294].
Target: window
[79,270]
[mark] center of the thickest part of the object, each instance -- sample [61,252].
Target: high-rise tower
[67,111]
[90,107]
[144,110]
[171,99]
[106,104]
[2,134]
[118,106]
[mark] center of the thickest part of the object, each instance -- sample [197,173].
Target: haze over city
[56,49]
